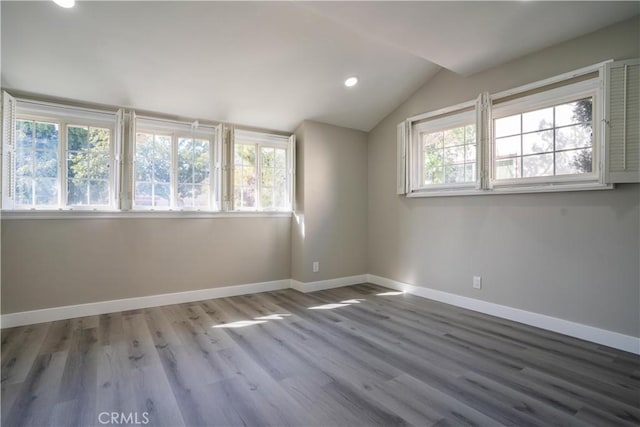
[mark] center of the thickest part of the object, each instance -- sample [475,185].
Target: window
[577,131]
[176,165]
[59,157]
[444,150]
[549,137]
[262,171]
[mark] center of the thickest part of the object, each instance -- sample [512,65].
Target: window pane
[193,161]
[245,183]
[433,141]
[537,120]
[152,170]
[77,138]
[36,156]
[574,112]
[162,158]
[537,142]
[454,173]
[538,165]
[507,126]
[508,147]
[574,162]
[78,192]
[46,136]
[46,164]
[470,154]
[24,134]
[46,190]
[454,154]
[576,136]
[99,139]
[470,172]
[24,191]
[508,168]
[24,163]
[162,195]
[470,134]
[433,167]
[88,165]
[99,192]
[266,197]
[454,137]
[144,194]
[433,176]
[281,159]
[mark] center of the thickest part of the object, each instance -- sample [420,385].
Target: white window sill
[513,189]
[65,214]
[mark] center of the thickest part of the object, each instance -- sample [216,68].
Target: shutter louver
[8,147]
[402,158]
[623,121]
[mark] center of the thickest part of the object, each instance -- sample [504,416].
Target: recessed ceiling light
[65,3]
[351,82]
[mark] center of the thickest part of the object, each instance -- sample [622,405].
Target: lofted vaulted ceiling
[273,64]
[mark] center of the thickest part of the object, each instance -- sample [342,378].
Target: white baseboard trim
[321,285]
[566,327]
[91,309]
[577,330]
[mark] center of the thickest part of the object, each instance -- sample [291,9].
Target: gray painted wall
[571,255]
[332,202]
[49,263]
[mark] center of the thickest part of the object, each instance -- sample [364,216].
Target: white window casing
[622,118]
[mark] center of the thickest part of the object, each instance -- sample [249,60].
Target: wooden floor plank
[373,360]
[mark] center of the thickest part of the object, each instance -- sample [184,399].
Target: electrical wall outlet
[477,282]
[316,266]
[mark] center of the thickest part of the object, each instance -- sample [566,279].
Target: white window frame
[65,116]
[176,130]
[262,140]
[443,119]
[591,88]
[587,82]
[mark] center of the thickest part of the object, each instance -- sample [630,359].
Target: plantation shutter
[622,80]
[292,171]
[402,181]
[8,150]
[483,152]
[118,157]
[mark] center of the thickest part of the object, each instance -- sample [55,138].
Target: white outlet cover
[477,282]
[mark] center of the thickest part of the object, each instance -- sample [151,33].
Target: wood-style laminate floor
[374,360]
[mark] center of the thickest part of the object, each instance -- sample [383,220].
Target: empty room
[320,213]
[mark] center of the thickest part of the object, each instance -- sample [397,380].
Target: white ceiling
[272,64]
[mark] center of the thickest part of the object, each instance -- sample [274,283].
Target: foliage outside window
[552,141]
[261,172]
